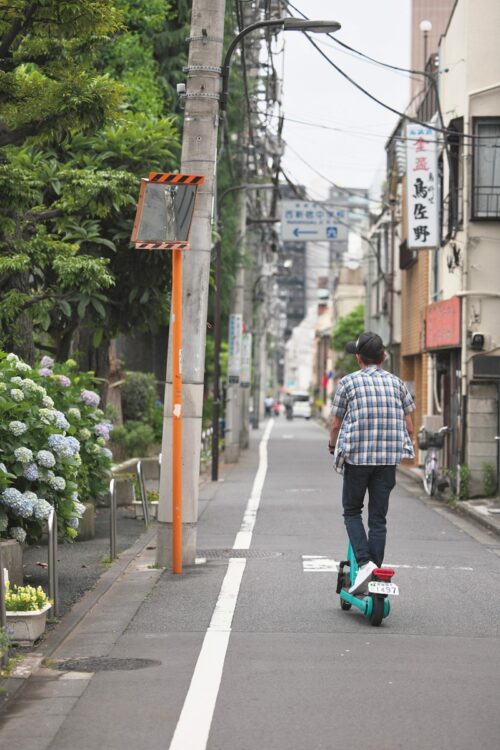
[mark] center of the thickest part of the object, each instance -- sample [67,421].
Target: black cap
[369,345]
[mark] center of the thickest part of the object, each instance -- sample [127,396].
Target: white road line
[244,536]
[323,564]
[194,723]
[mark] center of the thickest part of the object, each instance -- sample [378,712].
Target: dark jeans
[379,480]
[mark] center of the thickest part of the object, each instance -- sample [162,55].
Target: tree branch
[19,25]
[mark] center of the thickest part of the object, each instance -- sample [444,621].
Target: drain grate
[103,664]
[222,554]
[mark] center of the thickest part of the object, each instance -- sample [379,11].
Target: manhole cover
[220,554]
[103,664]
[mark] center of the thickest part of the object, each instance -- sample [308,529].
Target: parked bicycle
[433,442]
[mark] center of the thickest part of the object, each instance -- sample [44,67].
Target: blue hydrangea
[46,459]
[61,421]
[102,429]
[79,508]
[30,472]
[107,453]
[17,428]
[73,444]
[17,395]
[41,509]
[57,483]
[24,455]
[59,444]
[73,523]
[48,402]
[4,521]
[18,533]
[18,504]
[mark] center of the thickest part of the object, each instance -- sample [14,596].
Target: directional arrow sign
[310,220]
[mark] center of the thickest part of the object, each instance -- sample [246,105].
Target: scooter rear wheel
[346,606]
[377,614]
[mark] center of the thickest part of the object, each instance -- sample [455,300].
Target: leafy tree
[347,328]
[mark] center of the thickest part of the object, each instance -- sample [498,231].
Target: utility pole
[199,154]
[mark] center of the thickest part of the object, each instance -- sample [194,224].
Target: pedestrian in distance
[370,433]
[268,405]
[276,408]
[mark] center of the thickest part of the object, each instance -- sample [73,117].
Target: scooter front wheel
[377,614]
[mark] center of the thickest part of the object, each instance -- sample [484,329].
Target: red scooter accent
[383,574]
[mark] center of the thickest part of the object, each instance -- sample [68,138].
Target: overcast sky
[316,93]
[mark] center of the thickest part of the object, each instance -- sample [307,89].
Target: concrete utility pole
[199,153]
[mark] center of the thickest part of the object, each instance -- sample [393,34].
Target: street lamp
[286,24]
[425,27]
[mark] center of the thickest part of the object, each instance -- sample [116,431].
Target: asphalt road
[254,653]
[299,672]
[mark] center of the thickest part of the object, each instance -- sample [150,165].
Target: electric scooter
[374,604]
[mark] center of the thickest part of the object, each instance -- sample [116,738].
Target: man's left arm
[339,408]
[334,433]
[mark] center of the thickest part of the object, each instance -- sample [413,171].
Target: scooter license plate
[381,587]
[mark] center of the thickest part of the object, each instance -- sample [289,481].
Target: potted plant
[26,609]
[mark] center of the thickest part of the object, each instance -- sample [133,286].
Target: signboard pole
[177,411]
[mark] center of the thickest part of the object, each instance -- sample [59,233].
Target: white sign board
[246,360]
[234,345]
[302,221]
[422,188]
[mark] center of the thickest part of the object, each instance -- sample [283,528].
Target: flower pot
[153,509]
[26,627]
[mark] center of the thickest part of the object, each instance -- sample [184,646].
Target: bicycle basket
[427,439]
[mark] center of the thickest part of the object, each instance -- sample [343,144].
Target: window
[455,175]
[486,169]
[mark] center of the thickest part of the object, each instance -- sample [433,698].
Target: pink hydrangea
[91,398]
[64,381]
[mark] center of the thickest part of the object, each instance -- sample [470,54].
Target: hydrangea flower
[45,372]
[64,381]
[3,468]
[4,521]
[17,380]
[102,429]
[59,444]
[18,504]
[22,367]
[31,473]
[106,452]
[24,455]
[71,363]
[47,362]
[12,357]
[73,443]
[74,413]
[46,459]
[18,533]
[73,523]
[79,508]
[85,434]
[47,402]
[17,395]
[57,483]
[47,416]
[91,398]
[17,428]
[61,421]
[41,509]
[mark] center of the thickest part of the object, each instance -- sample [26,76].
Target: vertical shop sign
[246,360]
[234,358]
[422,188]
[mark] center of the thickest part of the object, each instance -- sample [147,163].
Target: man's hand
[331,448]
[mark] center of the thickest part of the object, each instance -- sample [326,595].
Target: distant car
[301,404]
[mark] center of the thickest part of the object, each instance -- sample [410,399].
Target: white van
[301,404]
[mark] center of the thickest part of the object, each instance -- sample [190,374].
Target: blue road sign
[303,221]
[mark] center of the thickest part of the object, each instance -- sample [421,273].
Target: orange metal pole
[177,411]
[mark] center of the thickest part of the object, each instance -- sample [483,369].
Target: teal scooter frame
[374,605]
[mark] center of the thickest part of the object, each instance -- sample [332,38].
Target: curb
[463,507]
[32,661]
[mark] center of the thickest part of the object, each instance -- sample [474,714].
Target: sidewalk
[485,511]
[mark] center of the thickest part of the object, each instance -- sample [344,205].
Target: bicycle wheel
[430,475]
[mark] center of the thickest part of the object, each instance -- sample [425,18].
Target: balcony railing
[486,202]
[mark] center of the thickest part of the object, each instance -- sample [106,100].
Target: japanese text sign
[302,221]
[422,188]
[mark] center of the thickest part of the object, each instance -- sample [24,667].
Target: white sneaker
[363,575]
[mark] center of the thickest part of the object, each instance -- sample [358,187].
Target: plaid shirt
[373,403]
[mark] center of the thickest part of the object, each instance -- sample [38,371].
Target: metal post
[217,343]
[144,494]
[177,411]
[112,519]
[53,574]
[3,617]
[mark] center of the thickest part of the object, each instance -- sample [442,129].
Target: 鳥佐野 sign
[442,324]
[422,188]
